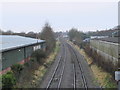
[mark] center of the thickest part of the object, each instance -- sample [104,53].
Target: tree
[9,32]
[1,32]
[76,36]
[31,34]
[48,35]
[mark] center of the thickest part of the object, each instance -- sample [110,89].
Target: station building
[17,49]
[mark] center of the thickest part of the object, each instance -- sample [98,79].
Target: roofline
[106,42]
[5,50]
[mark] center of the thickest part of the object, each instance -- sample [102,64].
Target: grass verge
[40,72]
[103,78]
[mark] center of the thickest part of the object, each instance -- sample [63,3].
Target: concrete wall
[106,49]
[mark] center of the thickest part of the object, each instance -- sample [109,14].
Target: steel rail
[59,84]
[74,75]
[54,73]
[81,69]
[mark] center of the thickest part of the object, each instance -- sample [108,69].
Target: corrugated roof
[8,42]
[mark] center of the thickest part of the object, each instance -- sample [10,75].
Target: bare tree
[48,35]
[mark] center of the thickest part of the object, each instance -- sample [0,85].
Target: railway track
[56,79]
[78,70]
[68,71]
[78,75]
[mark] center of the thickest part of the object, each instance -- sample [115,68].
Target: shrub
[32,59]
[100,60]
[17,68]
[38,54]
[8,80]
[26,64]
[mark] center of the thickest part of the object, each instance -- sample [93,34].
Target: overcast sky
[62,16]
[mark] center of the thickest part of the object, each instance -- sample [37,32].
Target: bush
[37,55]
[26,64]
[8,80]
[17,68]
[100,60]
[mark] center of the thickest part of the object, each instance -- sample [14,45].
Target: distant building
[66,37]
[17,49]
[107,44]
[116,34]
[86,40]
[103,34]
[93,37]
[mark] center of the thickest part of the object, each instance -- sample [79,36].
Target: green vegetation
[75,34]
[48,35]
[40,72]
[109,83]
[39,60]
[100,62]
[104,78]
[37,66]
[77,37]
[8,80]
[57,48]
[38,55]
[17,68]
